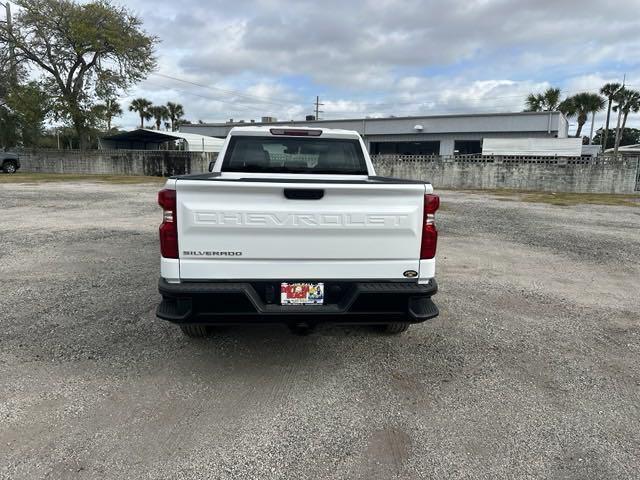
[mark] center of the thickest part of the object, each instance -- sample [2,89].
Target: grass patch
[63,177]
[561,199]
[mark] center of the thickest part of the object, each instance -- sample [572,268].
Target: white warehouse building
[425,135]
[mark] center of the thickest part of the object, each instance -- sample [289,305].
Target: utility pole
[318,105]
[12,53]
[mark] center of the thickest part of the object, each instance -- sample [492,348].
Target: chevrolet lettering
[308,219]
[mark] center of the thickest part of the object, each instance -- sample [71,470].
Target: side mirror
[211,164]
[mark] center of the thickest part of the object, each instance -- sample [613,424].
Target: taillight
[429,231]
[169,226]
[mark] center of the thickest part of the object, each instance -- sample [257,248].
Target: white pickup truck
[292,225]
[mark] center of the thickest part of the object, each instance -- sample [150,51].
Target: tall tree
[5,75]
[546,101]
[12,109]
[609,90]
[32,106]
[22,115]
[628,101]
[581,105]
[159,113]
[9,135]
[108,110]
[619,99]
[176,112]
[80,49]
[141,106]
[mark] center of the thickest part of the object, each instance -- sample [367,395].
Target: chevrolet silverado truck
[292,225]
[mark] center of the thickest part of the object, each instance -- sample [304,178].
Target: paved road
[531,371]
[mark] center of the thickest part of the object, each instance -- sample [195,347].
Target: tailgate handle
[303,193]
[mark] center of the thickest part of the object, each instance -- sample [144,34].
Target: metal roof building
[627,150]
[147,139]
[425,135]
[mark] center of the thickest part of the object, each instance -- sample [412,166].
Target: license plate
[302,293]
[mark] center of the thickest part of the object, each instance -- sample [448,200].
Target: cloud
[382,57]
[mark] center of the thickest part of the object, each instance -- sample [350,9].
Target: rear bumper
[258,302]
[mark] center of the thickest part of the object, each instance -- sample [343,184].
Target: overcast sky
[381,57]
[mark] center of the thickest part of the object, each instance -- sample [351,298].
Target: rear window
[294,155]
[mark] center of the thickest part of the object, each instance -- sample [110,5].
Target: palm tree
[533,103]
[111,109]
[159,113]
[581,105]
[619,98]
[609,90]
[551,97]
[175,113]
[141,105]
[546,101]
[628,101]
[567,107]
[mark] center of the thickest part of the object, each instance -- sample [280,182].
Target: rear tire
[194,331]
[9,167]
[395,328]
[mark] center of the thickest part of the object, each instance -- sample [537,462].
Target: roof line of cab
[261,130]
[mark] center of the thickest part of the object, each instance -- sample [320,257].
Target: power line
[237,105]
[491,102]
[490,99]
[417,108]
[236,93]
[372,103]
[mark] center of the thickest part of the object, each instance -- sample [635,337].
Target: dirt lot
[531,370]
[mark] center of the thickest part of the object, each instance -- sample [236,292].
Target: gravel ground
[531,370]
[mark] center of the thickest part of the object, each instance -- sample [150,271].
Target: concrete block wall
[556,175]
[597,175]
[161,163]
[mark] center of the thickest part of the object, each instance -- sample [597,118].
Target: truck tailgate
[234,229]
